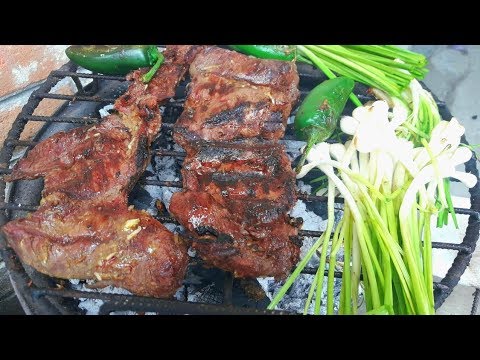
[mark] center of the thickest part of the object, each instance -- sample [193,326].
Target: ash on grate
[92,306]
[295,298]
[166,170]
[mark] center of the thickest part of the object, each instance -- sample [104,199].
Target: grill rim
[45,300]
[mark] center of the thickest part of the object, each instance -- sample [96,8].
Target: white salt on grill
[204,294]
[295,298]
[292,147]
[305,188]
[171,227]
[165,168]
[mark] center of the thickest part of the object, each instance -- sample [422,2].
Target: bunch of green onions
[389,190]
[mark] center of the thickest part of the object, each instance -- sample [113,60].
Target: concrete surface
[455,78]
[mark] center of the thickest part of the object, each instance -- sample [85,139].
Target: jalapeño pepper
[318,115]
[276,52]
[116,59]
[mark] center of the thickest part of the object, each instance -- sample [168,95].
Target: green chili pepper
[277,52]
[116,59]
[318,115]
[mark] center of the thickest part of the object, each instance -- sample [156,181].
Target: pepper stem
[149,75]
[313,138]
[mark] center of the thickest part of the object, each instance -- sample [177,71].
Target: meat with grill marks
[92,161]
[232,96]
[225,241]
[251,179]
[239,184]
[84,228]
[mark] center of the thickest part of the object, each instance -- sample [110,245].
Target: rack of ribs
[84,228]
[238,180]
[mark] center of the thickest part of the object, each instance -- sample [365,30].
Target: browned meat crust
[84,228]
[223,241]
[101,240]
[233,97]
[238,180]
[251,179]
[93,161]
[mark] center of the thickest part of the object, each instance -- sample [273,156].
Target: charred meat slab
[84,228]
[227,243]
[145,99]
[250,178]
[232,96]
[239,185]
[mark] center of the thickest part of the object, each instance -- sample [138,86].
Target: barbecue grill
[40,294]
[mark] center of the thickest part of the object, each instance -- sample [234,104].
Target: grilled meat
[232,96]
[145,99]
[89,162]
[225,242]
[251,179]
[238,181]
[100,240]
[84,217]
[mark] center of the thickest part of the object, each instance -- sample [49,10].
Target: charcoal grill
[40,294]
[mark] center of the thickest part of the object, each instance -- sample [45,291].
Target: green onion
[374,65]
[389,198]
